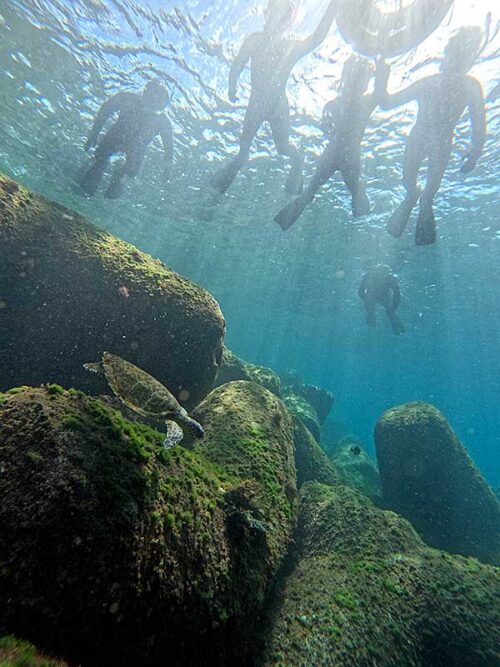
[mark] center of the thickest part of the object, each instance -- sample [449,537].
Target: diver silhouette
[344,123]
[442,99]
[138,123]
[380,285]
[272,58]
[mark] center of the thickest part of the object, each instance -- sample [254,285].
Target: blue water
[290,300]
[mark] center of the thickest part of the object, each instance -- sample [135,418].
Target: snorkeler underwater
[249,325]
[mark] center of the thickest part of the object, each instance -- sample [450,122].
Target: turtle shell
[138,390]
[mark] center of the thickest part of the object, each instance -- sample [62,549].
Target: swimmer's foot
[360,204]
[426,226]
[371,321]
[399,219]
[223,178]
[397,326]
[295,183]
[115,189]
[289,214]
[90,180]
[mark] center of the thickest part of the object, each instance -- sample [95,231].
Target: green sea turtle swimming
[143,394]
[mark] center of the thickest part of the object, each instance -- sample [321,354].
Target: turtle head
[95,368]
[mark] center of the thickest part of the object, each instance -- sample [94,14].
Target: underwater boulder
[231,368]
[303,410]
[428,477]
[362,589]
[356,468]
[265,377]
[18,653]
[71,291]
[117,552]
[321,399]
[310,460]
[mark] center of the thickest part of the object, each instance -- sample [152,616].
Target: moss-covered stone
[231,369]
[71,291]
[321,399]
[17,653]
[428,477]
[115,551]
[303,410]
[310,460]
[356,468]
[265,377]
[363,590]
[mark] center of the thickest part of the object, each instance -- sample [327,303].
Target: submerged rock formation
[356,468]
[428,477]
[231,368]
[321,399]
[114,551]
[17,653]
[303,410]
[71,291]
[265,377]
[312,464]
[363,590]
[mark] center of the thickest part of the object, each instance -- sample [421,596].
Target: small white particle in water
[339,274]
[473,245]
[66,216]
[471,431]
[113,609]
[134,345]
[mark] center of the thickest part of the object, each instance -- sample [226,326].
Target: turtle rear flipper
[174,434]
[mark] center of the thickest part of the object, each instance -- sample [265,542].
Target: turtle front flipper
[174,434]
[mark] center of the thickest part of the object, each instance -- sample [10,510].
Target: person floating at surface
[139,122]
[272,58]
[380,285]
[442,99]
[344,122]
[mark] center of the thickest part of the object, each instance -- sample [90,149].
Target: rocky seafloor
[258,545]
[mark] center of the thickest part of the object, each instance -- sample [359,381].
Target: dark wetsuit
[135,129]
[380,286]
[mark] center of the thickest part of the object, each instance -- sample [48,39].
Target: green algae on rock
[265,377]
[363,590]
[312,464]
[321,399]
[428,477]
[114,551]
[17,653]
[73,291]
[301,408]
[231,368]
[356,468]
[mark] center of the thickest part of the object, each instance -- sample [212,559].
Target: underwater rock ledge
[71,291]
[363,590]
[115,551]
[428,477]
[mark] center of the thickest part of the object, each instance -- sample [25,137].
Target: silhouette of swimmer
[272,58]
[380,285]
[344,122]
[442,99]
[139,122]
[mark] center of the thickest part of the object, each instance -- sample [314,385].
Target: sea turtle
[143,394]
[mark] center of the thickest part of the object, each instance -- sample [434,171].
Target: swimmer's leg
[223,178]
[426,223]
[327,166]
[130,168]
[90,180]
[413,158]
[371,320]
[360,201]
[280,127]
[397,326]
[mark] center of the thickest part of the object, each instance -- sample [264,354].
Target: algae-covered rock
[115,551]
[231,369]
[321,399]
[303,410]
[17,653]
[356,468]
[72,291]
[428,477]
[364,591]
[265,377]
[310,460]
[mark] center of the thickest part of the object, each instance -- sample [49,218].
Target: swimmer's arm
[110,107]
[478,125]
[404,96]
[302,47]
[167,143]
[239,64]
